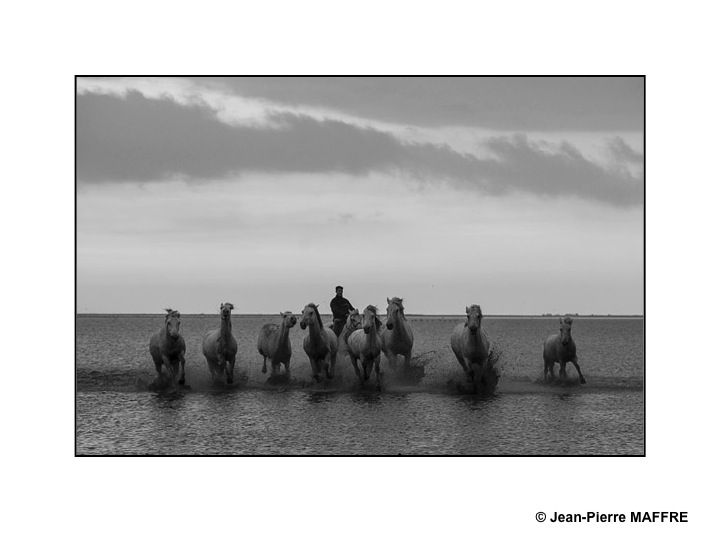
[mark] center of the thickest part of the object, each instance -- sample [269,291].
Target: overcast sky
[523,195]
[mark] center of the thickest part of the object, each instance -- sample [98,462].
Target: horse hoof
[182,382]
[582,380]
[264,370]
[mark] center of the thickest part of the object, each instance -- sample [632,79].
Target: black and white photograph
[319,270]
[360,265]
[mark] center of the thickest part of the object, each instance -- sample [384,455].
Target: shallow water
[117,414]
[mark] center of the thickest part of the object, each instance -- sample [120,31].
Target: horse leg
[378,374]
[577,367]
[392,359]
[182,369]
[158,366]
[264,368]
[230,369]
[478,376]
[407,356]
[464,366]
[168,368]
[315,369]
[331,370]
[287,368]
[563,372]
[354,361]
[550,366]
[366,365]
[210,367]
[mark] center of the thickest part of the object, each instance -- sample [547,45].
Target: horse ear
[388,300]
[561,320]
[467,310]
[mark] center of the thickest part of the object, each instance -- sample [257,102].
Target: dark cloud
[623,153]
[134,138]
[501,103]
[532,167]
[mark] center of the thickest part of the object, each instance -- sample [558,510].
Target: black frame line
[643,455]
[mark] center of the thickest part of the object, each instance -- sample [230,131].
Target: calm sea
[118,414]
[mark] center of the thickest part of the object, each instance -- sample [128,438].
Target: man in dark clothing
[340,307]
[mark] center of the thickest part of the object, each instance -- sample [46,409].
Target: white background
[46,492]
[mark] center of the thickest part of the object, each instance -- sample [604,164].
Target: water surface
[117,414]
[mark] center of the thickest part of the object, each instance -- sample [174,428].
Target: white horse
[560,348]
[352,323]
[167,348]
[274,343]
[219,346]
[366,345]
[471,345]
[320,344]
[397,337]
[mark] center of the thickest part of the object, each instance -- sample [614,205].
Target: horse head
[370,317]
[474,318]
[288,319]
[225,310]
[310,315]
[354,320]
[395,308]
[172,323]
[565,329]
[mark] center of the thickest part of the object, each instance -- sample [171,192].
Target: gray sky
[521,195]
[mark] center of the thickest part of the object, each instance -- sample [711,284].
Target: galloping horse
[219,346]
[366,344]
[167,348]
[352,323]
[560,348]
[320,344]
[274,343]
[471,345]
[398,336]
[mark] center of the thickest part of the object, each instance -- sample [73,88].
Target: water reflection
[476,401]
[320,397]
[169,399]
[327,423]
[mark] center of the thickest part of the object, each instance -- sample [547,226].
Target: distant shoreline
[411,315]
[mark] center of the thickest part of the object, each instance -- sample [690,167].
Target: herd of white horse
[363,340]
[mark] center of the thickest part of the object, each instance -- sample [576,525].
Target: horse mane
[475,307]
[374,310]
[399,303]
[567,320]
[172,313]
[317,313]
